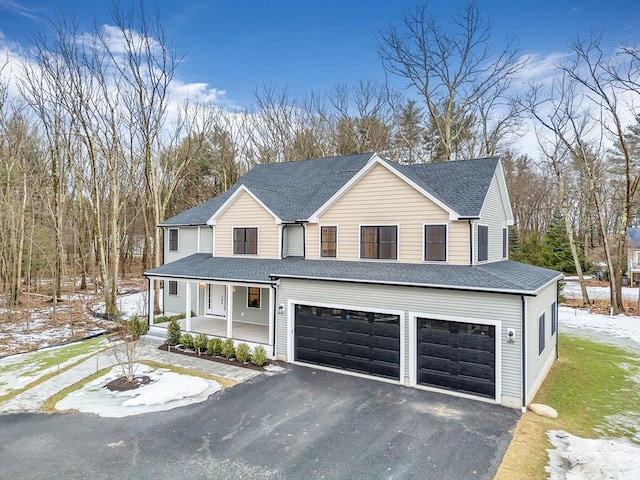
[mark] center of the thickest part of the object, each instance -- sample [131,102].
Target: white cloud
[20,9]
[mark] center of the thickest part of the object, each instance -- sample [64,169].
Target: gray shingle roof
[291,190]
[460,184]
[505,276]
[295,190]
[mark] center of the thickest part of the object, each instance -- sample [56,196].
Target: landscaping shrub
[169,318]
[214,346]
[173,332]
[243,352]
[186,340]
[259,356]
[137,327]
[228,350]
[200,342]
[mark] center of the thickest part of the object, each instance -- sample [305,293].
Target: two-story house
[362,265]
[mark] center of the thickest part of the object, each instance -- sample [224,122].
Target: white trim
[241,189]
[169,288]
[397,225]
[250,255]
[198,241]
[291,303]
[504,193]
[320,227]
[424,243]
[413,352]
[280,241]
[373,161]
[213,240]
[259,299]
[169,240]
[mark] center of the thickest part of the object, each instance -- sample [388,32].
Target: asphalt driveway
[302,424]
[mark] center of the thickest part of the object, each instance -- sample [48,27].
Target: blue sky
[238,45]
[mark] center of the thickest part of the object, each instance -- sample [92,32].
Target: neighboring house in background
[361,265]
[633,249]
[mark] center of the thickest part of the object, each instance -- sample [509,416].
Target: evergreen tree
[556,250]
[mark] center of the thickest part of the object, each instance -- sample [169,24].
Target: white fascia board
[373,161]
[232,198]
[504,193]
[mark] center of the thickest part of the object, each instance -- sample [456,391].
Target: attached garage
[456,356]
[351,340]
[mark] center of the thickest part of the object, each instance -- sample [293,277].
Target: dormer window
[328,241]
[483,243]
[173,239]
[245,241]
[379,242]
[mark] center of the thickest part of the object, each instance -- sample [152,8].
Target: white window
[505,244]
[253,297]
[435,243]
[483,243]
[173,239]
[173,287]
[554,318]
[541,333]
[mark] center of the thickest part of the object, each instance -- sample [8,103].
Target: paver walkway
[32,399]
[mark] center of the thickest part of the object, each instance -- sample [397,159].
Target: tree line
[96,149]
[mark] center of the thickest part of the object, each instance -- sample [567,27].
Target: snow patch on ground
[576,458]
[166,391]
[572,291]
[619,326]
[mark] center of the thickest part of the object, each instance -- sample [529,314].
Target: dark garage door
[356,341]
[457,356]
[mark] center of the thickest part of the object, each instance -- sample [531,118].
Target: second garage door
[357,341]
[457,356]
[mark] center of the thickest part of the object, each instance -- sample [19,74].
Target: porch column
[188,305]
[272,301]
[229,311]
[150,301]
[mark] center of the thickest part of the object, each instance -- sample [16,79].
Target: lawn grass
[590,386]
[41,365]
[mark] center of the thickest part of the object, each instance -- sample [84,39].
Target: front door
[216,300]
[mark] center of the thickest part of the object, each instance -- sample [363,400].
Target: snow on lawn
[130,305]
[19,370]
[572,291]
[583,458]
[619,326]
[167,390]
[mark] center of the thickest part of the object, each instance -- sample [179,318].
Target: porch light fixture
[281,308]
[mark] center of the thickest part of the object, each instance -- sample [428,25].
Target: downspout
[304,240]
[470,243]
[524,355]
[557,321]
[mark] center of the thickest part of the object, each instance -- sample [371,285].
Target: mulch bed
[215,358]
[121,384]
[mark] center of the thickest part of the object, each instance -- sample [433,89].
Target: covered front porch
[241,311]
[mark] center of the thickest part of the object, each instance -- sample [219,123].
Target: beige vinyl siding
[538,364]
[494,216]
[187,243]
[489,306]
[206,239]
[459,242]
[292,241]
[379,198]
[246,212]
